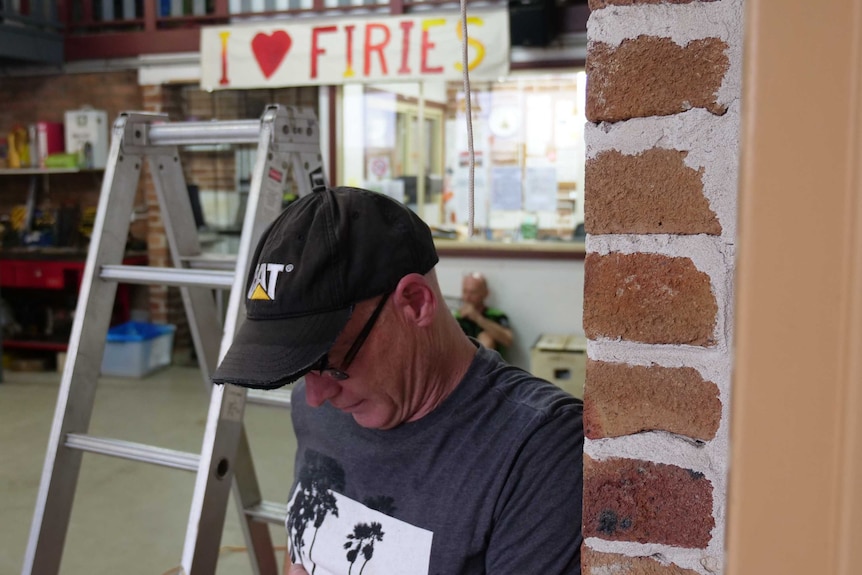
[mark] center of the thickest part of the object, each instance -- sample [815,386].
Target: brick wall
[28,99]
[662,142]
[46,97]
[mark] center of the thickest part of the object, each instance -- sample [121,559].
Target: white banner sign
[332,51]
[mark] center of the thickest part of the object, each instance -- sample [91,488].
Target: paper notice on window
[378,167]
[568,126]
[506,188]
[539,125]
[570,165]
[540,189]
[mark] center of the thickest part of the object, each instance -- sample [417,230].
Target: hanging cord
[469,111]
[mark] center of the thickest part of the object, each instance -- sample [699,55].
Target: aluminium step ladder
[287,139]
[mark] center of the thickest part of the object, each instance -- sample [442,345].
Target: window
[409,141]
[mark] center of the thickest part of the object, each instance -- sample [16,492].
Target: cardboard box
[562,360]
[87,136]
[136,349]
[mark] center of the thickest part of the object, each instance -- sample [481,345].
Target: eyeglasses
[323,367]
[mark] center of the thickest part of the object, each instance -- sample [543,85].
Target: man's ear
[415,299]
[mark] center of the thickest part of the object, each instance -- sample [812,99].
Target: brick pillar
[662,143]
[166,305]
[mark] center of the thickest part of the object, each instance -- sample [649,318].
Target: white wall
[539,295]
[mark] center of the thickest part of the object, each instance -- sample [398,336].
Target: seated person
[487,324]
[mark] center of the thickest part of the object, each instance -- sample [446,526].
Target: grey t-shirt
[489,482]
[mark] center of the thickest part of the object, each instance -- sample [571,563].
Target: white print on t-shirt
[345,537]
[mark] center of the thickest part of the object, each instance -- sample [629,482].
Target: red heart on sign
[270,49]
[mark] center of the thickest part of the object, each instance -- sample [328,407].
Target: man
[489,325]
[418,451]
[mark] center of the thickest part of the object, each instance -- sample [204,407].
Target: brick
[653,192]
[596,563]
[158,317]
[158,244]
[151,91]
[652,76]
[648,298]
[623,399]
[645,502]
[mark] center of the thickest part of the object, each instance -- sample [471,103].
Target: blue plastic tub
[135,349]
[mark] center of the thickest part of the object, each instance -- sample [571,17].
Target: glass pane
[527,159]
[400,153]
[528,156]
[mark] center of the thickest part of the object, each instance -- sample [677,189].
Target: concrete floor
[129,517]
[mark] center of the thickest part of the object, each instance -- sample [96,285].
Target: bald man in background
[487,324]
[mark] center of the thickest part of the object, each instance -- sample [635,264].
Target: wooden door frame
[796,437]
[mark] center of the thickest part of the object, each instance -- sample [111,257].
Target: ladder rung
[216,279]
[268,512]
[222,132]
[135,451]
[271,397]
[210,262]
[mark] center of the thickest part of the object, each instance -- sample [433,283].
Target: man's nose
[319,388]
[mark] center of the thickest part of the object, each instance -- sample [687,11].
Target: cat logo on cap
[266,280]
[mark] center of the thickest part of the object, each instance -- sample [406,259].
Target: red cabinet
[51,283]
[37,274]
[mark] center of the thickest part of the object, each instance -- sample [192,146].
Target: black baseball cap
[324,253]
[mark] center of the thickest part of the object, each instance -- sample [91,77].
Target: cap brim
[266,354]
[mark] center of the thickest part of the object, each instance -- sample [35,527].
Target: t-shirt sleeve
[497,316]
[537,526]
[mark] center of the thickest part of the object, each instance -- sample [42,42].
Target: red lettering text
[406,26]
[427,45]
[348,72]
[223,36]
[378,47]
[315,49]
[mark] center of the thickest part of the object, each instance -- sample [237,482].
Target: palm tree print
[362,541]
[318,477]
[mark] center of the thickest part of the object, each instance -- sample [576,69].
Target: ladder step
[211,262]
[268,512]
[271,398]
[216,279]
[135,451]
[188,133]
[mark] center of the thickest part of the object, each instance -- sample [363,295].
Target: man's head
[412,354]
[324,254]
[474,290]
